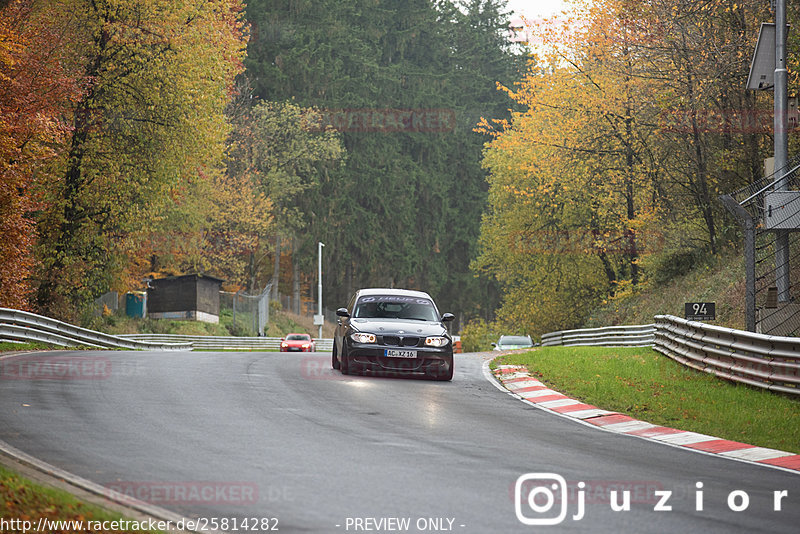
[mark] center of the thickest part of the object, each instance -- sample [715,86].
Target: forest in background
[519,186]
[405,83]
[161,137]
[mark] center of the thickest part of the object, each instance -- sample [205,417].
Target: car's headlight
[436,341]
[359,337]
[306,345]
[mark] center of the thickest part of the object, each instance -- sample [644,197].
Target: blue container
[136,304]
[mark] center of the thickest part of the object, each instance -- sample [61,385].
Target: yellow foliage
[577,177]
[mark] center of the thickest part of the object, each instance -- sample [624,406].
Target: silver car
[513,342]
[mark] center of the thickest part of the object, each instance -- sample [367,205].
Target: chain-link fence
[245,315]
[769,211]
[773,315]
[106,303]
[305,307]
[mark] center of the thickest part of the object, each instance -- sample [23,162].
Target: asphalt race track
[280,435]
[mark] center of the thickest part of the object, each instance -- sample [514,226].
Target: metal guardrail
[770,362]
[16,325]
[224,342]
[609,336]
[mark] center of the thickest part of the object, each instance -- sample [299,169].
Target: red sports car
[298,343]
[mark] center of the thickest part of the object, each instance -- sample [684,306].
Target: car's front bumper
[372,357]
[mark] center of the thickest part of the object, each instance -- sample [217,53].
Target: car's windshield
[298,337]
[515,340]
[390,307]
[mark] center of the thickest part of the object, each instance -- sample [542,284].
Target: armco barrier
[16,325]
[770,362]
[19,325]
[610,336]
[224,342]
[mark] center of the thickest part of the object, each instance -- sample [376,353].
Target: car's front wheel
[446,374]
[345,363]
[334,360]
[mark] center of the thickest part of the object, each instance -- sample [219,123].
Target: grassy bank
[646,385]
[280,324]
[14,347]
[707,278]
[22,500]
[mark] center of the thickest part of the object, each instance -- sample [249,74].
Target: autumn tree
[37,88]
[278,152]
[627,138]
[149,124]
[710,128]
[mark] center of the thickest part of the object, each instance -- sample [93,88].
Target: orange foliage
[36,88]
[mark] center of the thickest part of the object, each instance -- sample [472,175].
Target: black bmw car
[393,331]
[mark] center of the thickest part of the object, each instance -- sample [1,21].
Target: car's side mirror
[448,317]
[342,312]
[494,344]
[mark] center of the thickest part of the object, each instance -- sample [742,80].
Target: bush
[275,306]
[477,336]
[669,266]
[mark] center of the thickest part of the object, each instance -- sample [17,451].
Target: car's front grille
[397,341]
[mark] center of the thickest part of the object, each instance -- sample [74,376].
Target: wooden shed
[193,297]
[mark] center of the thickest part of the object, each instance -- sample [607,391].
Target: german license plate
[394,353]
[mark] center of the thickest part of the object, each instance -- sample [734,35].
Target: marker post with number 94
[700,311]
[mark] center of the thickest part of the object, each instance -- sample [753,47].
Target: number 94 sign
[700,311]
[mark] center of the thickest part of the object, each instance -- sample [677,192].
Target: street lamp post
[320,319]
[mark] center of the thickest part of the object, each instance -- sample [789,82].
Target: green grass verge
[23,500]
[15,347]
[32,346]
[280,324]
[121,324]
[647,385]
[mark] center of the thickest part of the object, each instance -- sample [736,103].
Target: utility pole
[781,109]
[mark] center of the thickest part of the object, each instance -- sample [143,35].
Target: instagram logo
[547,494]
[542,492]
